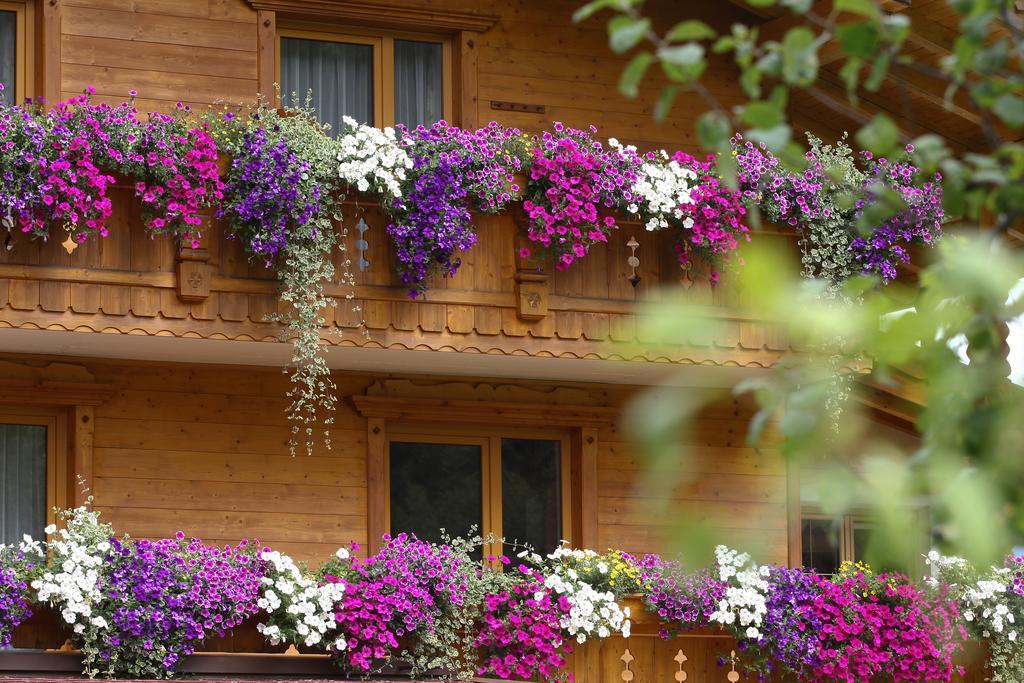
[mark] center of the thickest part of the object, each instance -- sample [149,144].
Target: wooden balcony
[130,284]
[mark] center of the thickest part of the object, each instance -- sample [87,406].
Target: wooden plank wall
[718,483]
[204,449]
[205,51]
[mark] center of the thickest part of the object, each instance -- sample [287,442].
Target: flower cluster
[991,607]
[162,598]
[744,605]
[592,612]
[918,222]
[16,565]
[789,630]
[299,609]
[521,631]
[136,607]
[394,594]
[661,190]
[264,189]
[283,202]
[827,196]
[72,582]
[713,220]
[57,168]
[371,159]
[883,625]
[575,183]
[681,599]
[453,171]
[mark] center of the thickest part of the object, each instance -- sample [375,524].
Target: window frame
[24,46]
[57,495]
[489,440]
[383,42]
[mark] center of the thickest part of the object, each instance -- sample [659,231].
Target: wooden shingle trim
[377,14]
[387,337]
[235,285]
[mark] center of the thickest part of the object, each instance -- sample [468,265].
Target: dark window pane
[340,76]
[861,537]
[8,44]
[435,486]
[22,481]
[820,541]
[419,83]
[531,495]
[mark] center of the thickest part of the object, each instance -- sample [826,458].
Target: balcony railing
[129,283]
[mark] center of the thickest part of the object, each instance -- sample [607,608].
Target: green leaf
[879,70]
[849,72]
[713,130]
[691,29]
[683,62]
[664,103]
[629,81]
[799,57]
[880,136]
[775,137]
[625,32]
[762,114]
[859,40]
[798,6]
[750,81]
[865,8]
[1010,108]
[724,44]
[594,6]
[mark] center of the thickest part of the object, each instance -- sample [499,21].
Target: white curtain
[340,76]
[8,41]
[419,83]
[22,481]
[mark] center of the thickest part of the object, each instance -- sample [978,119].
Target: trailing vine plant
[284,203]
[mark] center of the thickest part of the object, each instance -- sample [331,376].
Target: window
[8,54]
[513,487]
[382,79]
[827,542]
[24,451]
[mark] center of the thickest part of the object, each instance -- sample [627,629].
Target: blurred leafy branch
[867,43]
[966,471]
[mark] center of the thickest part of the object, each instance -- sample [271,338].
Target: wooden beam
[377,493]
[587,448]
[442,410]
[931,90]
[377,14]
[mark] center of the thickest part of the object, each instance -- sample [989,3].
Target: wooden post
[48,52]
[587,448]
[377,494]
[82,430]
[266,54]
[793,514]
[466,88]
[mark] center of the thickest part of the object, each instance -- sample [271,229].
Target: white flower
[372,159]
[342,553]
[662,187]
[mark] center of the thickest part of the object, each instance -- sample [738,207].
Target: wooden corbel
[531,282]
[194,272]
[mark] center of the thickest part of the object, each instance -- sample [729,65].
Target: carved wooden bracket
[194,271]
[532,288]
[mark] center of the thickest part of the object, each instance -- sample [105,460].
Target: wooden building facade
[156,374]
